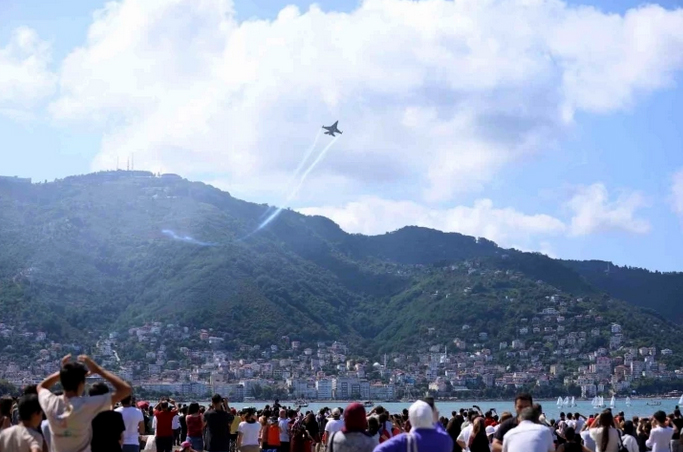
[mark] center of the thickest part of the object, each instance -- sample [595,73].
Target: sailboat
[559,401]
[573,402]
[680,401]
[628,401]
[612,402]
[566,401]
[602,402]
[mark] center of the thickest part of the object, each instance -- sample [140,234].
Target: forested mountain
[101,252]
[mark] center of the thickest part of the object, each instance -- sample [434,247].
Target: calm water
[638,407]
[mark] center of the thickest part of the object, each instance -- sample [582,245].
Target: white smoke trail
[186,239]
[294,192]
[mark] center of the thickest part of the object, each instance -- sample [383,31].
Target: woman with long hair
[629,437]
[6,404]
[479,442]
[454,428]
[194,422]
[605,434]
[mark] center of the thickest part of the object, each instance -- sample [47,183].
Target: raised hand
[92,366]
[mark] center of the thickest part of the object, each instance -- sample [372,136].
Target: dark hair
[193,408]
[384,417]
[569,433]
[98,389]
[525,396]
[379,409]
[606,421]
[30,389]
[28,406]
[127,401]
[629,428]
[72,375]
[216,399]
[6,406]
[660,416]
[373,426]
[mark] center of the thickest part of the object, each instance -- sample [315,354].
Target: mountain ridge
[87,252]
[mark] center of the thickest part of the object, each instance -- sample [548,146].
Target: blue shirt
[428,440]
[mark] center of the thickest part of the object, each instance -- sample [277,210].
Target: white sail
[566,401]
[628,401]
[573,401]
[559,401]
[680,401]
[602,401]
[612,402]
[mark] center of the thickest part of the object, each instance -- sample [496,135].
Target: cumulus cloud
[506,226]
[593,211]
[25,77]
[435,97]
[677,193]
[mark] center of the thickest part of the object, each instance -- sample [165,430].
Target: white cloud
[435,97]
[25,77]
[594,212]
[677,193]
[507,226]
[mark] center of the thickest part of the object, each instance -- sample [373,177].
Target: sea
[638,407]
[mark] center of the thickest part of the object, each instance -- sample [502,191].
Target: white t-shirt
[175,422]
[333,425]
[20,439]
[284,430]
[464,436]
[587,440]
[579,424]
[528,437]
[71,419]
[630,443]
[131,419]
[612,444]
[249,431]
[659,439]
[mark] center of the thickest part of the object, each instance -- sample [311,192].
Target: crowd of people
[44,420]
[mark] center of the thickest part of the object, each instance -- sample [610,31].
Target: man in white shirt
[335,424]
[660,436]
[70,415]
[135,425]
[463,439]
[529,435]
[283,424]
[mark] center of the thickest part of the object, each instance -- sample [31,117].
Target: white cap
[421,415]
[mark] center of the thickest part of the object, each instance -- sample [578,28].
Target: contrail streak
[294,192]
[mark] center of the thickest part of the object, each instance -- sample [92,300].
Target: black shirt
[504,428]
[106,432]
[217,430]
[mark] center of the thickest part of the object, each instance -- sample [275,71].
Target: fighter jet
[331,130]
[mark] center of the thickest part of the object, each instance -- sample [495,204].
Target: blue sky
[541,196]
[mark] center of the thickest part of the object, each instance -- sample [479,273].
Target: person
[677,424]
[628,439]
[572,442]
[453,428]
[333,425]
[248,433]
[135,425]
[6,404]
[24,437]
[529,435]
[604,434]
[217,423]
[70,415]
[175,425]
[463,439]
[311,426]
[107,426]
[373,429]
[661,434]
[195,424]
[283,425]
[585,435]
[478,441]
[353,436]
[164,412]
[426,433]
[522,401]
[233,428]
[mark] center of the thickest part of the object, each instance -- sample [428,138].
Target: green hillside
[86,255]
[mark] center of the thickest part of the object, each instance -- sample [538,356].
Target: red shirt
[164,422]
[194,425]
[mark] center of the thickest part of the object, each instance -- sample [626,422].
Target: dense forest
[91,254]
